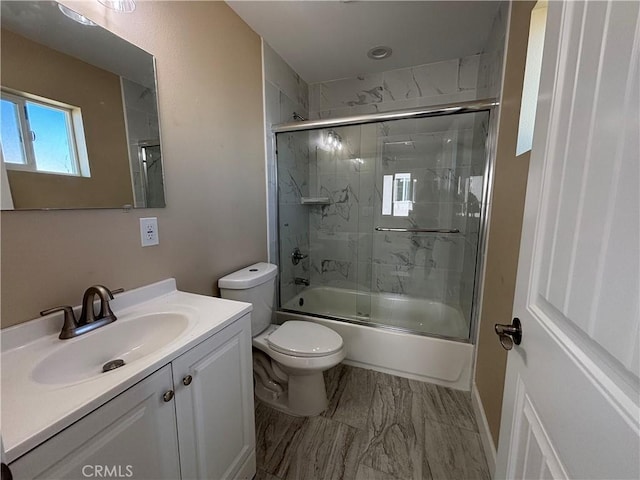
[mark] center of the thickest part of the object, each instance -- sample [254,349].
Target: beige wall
[210,92]
[505,224]
[30,67]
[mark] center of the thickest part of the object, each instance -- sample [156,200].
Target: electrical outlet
[149,231]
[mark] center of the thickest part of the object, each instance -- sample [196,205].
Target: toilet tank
[255,284]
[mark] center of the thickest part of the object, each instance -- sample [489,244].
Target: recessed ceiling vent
[378,53]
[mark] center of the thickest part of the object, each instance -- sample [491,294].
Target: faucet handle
[69,320]
[103,292]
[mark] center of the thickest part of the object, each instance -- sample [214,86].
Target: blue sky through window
[51,142]
[45,144]
[11,145]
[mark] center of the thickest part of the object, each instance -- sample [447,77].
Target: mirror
[79,119]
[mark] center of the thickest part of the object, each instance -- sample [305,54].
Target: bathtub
[391,349]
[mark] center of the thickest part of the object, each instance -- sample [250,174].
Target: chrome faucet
[88,320]
[301,281]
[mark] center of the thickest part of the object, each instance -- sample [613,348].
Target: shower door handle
[509,334]
[417,230]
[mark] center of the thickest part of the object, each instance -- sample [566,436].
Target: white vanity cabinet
[191,419]
[135,434]
[214,406]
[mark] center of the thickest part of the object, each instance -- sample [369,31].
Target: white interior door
[571,402]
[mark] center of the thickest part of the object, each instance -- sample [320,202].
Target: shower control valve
[297,255]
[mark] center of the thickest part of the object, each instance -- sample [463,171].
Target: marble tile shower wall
[142,126]
[286,93]
[337,257]
[492,56]
[439,160]
[489,84]
[473,212]
[293,217]
[424,85]
[346,251]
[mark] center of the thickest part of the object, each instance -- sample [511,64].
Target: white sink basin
[82,358]
[48,383]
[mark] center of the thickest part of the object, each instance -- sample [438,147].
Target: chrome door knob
[187,380]
[509,334]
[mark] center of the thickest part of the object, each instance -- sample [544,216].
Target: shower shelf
[315,200]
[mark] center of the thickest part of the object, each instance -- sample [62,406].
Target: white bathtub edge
[483,427]
[443,362]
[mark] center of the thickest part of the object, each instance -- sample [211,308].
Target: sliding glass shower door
[386,218]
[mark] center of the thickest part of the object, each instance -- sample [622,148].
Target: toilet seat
[304,339]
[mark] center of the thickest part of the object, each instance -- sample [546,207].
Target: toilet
[288,359]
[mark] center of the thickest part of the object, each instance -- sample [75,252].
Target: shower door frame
[489,105]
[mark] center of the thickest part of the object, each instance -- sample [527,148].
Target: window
[532,72]
[398,192]
[41,135]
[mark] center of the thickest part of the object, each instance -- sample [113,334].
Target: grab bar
[418,230]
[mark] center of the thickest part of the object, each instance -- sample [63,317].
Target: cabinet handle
[168,396]
[187,380]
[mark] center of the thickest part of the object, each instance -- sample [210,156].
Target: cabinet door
[215,410]
[132,436]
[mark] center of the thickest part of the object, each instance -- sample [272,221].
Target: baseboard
[248,469]
[483,427]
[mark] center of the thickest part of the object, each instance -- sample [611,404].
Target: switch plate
[149,231]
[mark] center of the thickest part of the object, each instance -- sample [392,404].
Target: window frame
[74,129]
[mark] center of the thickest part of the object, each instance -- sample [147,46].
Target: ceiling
[42,22]
[327,40]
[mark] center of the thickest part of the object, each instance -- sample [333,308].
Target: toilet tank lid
[248,277]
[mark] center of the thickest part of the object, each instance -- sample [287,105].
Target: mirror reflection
[79,120]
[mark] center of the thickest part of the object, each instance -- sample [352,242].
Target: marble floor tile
[350,395]
[368,473]
[262,475]
[333,378]
[394,434]
[454,453]
[377,427]
[277,437]
[395,383]
[328,450]
[445,405]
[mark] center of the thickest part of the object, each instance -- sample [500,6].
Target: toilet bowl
[288,359]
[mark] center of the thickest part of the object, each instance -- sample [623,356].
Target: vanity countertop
[33,411]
